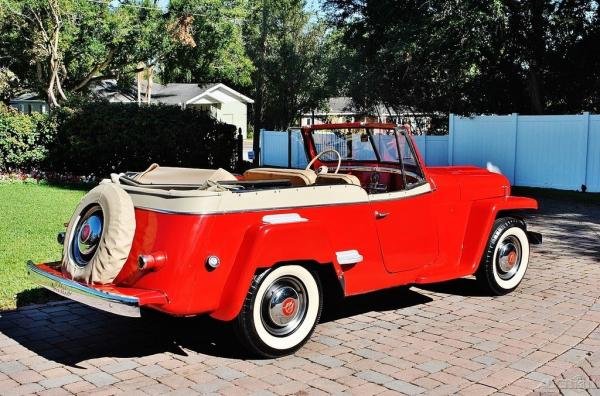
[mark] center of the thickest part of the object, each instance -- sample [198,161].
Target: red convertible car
[261,249]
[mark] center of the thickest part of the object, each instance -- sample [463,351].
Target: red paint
[432,237]
[512,258]
[288,307]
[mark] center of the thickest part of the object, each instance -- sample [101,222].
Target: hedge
[98,138]
[24,139]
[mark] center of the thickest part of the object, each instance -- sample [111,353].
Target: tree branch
[99,66]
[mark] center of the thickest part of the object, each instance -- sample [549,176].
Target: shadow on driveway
[70,333]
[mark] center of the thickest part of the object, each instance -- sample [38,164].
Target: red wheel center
[85,232]
[288,307]
[512,258]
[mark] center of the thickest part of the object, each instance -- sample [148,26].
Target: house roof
[173,93]
[343,105]
[27,97]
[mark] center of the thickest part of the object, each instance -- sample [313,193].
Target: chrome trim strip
[165,211]
[348,257]
[419,190]
[113,303]
[283,218]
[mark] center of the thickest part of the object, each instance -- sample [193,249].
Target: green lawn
[30,217]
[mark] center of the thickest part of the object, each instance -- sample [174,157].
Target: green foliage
[217,52]
[23,139]
[502,56]
[116,39]
[293,52]
[99,138]
[8,84]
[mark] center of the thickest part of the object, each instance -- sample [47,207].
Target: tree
[214,49]
[62,46]
[8,84]
[473,57]
[59,46]
[291,49]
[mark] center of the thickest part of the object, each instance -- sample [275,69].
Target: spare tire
[99,236]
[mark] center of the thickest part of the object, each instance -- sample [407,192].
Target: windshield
[383,145]
[357,144]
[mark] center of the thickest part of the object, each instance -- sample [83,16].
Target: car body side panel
[266,245]
[243,243]
[482,217]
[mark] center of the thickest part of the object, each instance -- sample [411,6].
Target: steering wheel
[339,161]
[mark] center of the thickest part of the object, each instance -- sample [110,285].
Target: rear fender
[266,246]
[482,216]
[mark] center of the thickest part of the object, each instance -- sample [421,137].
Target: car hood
[470,182]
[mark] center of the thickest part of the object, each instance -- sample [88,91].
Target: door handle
[381,215]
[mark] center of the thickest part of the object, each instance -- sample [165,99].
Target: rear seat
[297,177]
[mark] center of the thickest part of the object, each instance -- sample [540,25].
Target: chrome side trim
[348,257]
[283,218]
[113,303]
[419,190]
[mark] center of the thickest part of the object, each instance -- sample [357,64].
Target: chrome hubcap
[508,258]
[284,306]
[87,236]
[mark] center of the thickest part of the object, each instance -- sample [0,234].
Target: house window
[308,120]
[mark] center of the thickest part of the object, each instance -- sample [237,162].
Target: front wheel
[281,311]
[505,258]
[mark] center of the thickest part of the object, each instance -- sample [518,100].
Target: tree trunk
[139,87]
[149,77]
[536,45]
[535,92]
[258,102]
[97,68]
[50,92]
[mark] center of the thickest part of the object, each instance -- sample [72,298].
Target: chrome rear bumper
[110,302]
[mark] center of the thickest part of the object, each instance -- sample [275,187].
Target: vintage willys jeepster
[261,249]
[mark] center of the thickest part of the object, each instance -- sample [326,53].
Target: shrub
[98,138]
[23,139]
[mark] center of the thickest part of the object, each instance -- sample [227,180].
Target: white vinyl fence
[557,151]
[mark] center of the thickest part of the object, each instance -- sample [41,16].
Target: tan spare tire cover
[116,235]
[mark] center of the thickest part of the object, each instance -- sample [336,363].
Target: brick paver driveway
[442,339]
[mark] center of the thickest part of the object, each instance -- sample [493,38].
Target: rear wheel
[505,258]
[281,311]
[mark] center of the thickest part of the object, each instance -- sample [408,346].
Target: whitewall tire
[280,311]
[505,258]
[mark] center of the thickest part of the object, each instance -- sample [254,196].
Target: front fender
[482,216]
[266,245]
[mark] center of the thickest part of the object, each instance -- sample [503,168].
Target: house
[28,103]
[342,109]
[224,103]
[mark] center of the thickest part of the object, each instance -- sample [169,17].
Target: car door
[406,228]
[404,220]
